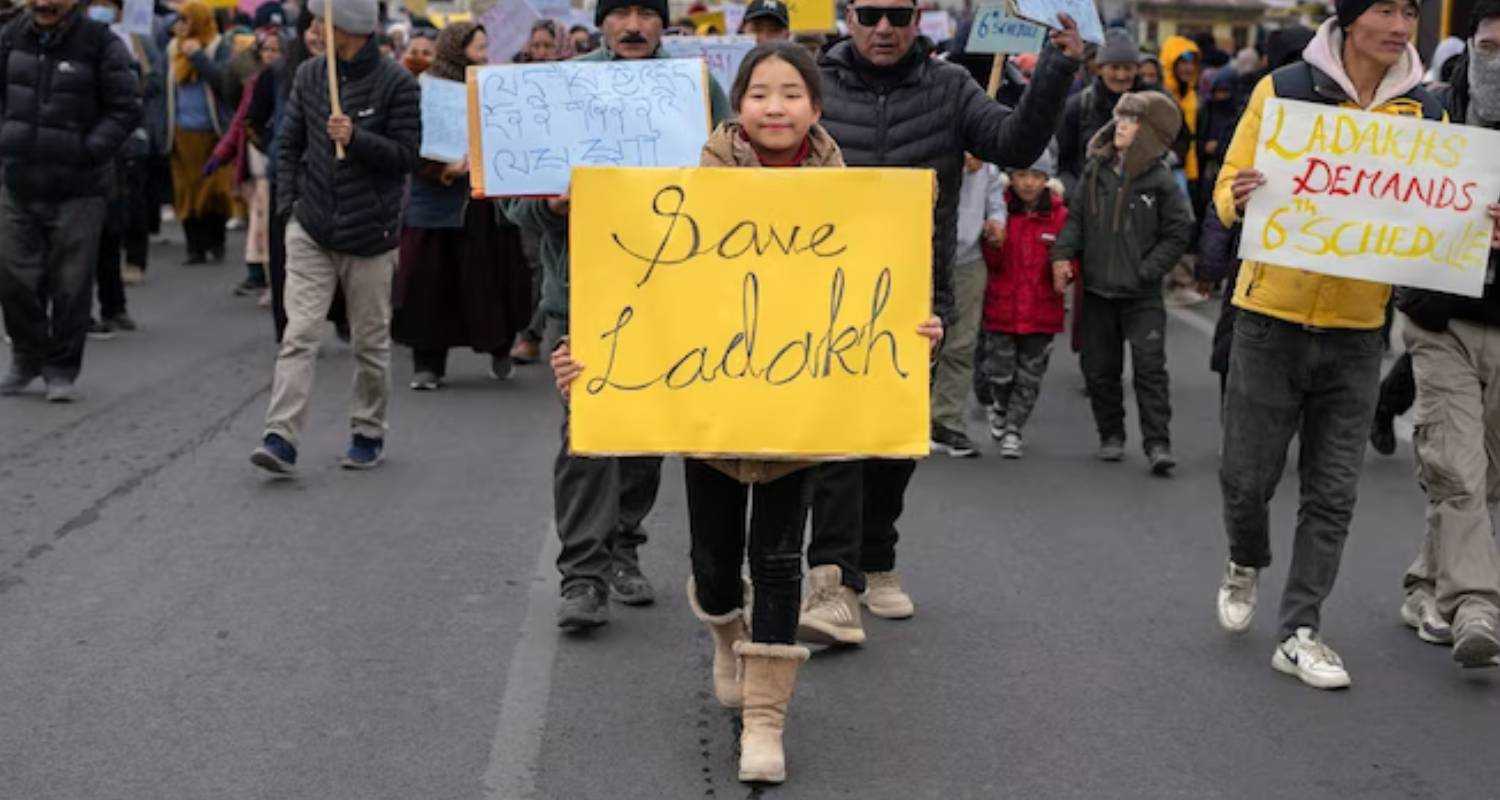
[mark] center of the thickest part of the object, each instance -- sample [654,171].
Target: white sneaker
[1237,595]
[1011,445]
[885,598]
[997,423]
[1419,612]
[1311,661]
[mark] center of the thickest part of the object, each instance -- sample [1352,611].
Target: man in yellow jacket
[1305,359]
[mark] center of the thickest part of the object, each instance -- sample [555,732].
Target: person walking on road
[1453,586]
[1130,224]
[58,138]
[344,228]
[1305,359]
[600,502]
[889,104]
[196,118]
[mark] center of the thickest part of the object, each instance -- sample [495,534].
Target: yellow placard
[751,312]
[709,23]
[811,16]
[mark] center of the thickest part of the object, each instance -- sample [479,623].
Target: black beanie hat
[659,6]
[1351,10]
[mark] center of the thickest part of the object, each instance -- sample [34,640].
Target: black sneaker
[954,443]
[583,607]
[101,330]
[629,585]
[121,322]
[1475,643]
[1161,460]
[1383,433]
[248,287]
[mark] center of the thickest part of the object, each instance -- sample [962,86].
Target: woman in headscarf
[195,121]
[462,280]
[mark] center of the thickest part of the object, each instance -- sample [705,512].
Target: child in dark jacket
[1023,309]
[1129,224]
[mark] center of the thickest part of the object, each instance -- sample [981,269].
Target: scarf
[202,29]
[1484,89]
[450,62]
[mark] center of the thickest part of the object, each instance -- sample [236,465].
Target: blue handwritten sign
[722,54]
[996,31]
[1084,12]
[445,119]
[539,121]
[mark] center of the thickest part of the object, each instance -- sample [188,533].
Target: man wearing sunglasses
[888,104]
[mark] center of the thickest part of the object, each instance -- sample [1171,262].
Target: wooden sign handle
[997,69]
[333,70]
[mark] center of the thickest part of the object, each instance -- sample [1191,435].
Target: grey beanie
[1045,164]
[359,17]
[1119,48]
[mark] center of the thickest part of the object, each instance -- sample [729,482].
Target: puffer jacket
[68,99]
[1296,295]
[1019,297]
[923,112]
[351,206]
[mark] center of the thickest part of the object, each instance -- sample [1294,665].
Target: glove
[212,166]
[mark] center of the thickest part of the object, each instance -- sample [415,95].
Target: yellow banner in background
[811,16]
[751,312]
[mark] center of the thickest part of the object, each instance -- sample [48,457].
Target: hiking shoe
[1383,433]
[1305,656]
[425,381]
[1112,450]
[954,443]
[629,585]
[1475,644]
[122,322]
[583,607]
[830,612]
[276,456]
[885,598]
[1237,595]
[101,330]
[16,381]
[1011,445]
[526,351]
[502,368]
[1161,460]
[364,452]
[60,390]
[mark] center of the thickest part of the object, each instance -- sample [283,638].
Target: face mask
[103,14]
[1484,85]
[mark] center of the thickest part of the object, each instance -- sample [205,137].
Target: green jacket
[552,230]
[1125,248]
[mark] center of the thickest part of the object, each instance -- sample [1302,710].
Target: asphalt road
[173,626]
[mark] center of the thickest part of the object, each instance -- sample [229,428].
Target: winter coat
[1019,297]
[68,99]
[1127,227]
[924,112]
[351,206]
[726,147]
[1295,295]
[211,75]
[1434,310]
[1186,98]
[151,71]
[551,230]
[1216,121]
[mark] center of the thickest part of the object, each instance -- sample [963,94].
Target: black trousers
[855,505]
[205,234]
[717,506]
[1109,325]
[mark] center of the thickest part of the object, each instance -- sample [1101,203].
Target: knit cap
[359,17]
[1351,10]
[1119,48]
[659,6]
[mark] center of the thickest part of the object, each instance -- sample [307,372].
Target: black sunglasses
[869,16]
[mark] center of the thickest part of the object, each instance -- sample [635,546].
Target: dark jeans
[1107,326]
[716,518]
[1398,391]
[204,234]
[48,254]
[111,285]
[854,511]
[600,504]
[1286,380]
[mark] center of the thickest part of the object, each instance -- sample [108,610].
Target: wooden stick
[997,68]
[333,70]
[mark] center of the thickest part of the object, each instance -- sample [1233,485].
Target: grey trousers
[48,255]
[1458,460]
[1285,380]
[953,375]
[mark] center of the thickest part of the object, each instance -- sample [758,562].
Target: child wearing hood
[1129,224]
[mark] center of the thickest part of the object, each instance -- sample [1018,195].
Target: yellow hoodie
[1186,96]
[1297,295]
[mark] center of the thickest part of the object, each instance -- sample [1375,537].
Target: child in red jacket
[1023,310]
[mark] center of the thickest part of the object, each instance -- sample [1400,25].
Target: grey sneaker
[60,390]
[1475,643]
[626,581]
[16,381]
[1161,460]
[1419,612]
[1112,450]
[583,607]
[1012,446]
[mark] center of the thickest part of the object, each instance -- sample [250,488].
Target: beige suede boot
[727,629]
[770,675]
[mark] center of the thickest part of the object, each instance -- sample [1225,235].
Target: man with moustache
[68,100]
[600,502]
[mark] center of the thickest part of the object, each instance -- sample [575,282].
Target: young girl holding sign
[777,96]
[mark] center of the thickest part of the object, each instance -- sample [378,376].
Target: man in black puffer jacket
[889,104]
[68,99]
[345,226]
